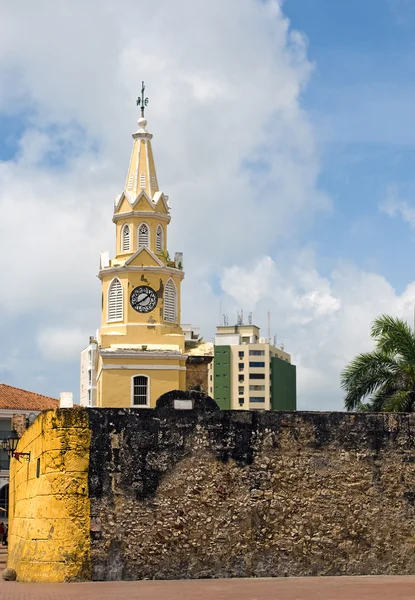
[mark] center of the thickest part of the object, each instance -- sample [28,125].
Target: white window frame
[161,248]
[138,236]
[165,315]
[123,245]
[117,318]
[147,405]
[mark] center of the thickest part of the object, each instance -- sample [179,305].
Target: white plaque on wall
[183,404]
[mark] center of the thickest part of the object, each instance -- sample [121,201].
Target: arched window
[142,180]
[140,392]
[143,235]
[115,301]
[159,238]
[170,302]
[4,501]
[125,238]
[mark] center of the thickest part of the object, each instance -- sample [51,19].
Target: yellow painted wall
[49,515]
[116,384]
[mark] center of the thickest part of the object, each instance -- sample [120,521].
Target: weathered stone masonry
[178,494]
[175,493]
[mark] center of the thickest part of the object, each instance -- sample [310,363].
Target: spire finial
[142,102]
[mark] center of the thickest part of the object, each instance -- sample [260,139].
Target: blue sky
[294,145]
[361,97]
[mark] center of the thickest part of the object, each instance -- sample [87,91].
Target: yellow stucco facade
[140,341]
[49,512]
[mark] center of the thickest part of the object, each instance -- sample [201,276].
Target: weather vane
[142,102]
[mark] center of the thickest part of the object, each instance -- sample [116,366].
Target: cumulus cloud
[323,322]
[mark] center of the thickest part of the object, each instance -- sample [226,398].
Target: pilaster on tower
[142,171]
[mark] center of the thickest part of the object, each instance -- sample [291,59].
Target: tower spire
[142,170]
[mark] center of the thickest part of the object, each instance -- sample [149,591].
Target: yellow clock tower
[140,342]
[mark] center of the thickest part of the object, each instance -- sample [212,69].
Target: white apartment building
[88,391]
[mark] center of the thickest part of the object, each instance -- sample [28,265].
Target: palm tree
[386,376]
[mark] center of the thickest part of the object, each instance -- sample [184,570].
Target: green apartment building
[249,373]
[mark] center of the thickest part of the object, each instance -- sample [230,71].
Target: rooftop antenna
[275,339]
[239,318]
[142,102]
[225,319]
[269,326]
[250,318]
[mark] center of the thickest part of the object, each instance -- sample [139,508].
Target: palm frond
[365,375]
[394,336]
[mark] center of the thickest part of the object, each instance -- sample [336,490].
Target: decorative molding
[145,367]
[170,325]
[143,249]
[127,269]
[149,354]
[142,214]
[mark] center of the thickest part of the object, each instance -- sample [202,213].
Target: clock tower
[140,341]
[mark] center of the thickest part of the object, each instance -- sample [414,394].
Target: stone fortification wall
[49,507]
[167,493]
[177,494]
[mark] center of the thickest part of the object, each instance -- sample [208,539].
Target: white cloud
[323,322]
[394,205]
[60,344]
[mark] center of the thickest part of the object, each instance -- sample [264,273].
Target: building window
[256,375]
[241,354]
[159,238]
[89,397]
[256,400]
[143,235]
[142,180]
[241,389]
[38,467]
[241,366]
[257,388]
[241,401]
[115,301]
[170,302]
[140,390]
[241,378]
[89,377]
[125,238]
[257,353]
[257,364]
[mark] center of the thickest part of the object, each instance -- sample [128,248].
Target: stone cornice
[131,269]
[147,354]
[141,214]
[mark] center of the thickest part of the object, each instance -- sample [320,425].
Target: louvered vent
[170,302]
[126,238]
[142,180]
[143,235]
[154,182]
[159,239]
[115,301]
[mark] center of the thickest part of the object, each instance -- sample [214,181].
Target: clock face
[143,299]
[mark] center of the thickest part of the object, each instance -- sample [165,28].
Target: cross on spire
[142,102]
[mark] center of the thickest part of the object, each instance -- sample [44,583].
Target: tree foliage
[383,380]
